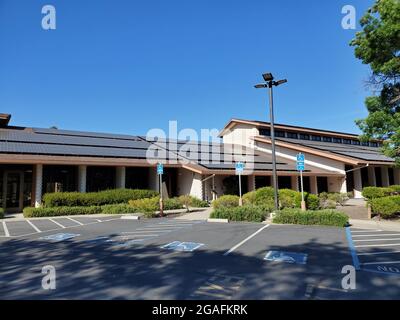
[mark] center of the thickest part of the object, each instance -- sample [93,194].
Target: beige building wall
[241,134]
[190,183]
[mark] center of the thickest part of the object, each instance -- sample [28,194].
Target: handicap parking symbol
[60,236]
[182,246]
[289,257]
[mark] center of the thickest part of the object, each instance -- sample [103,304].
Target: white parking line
[378,245]
[73,220]
[384,262]
[57,223]
[33,226]
[376,235]
[377,253]
[245,240]
[6,229]
[365,240]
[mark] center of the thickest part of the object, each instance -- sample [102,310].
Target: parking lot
[114,258]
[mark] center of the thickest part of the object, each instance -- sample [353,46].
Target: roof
[279,126]
[347,153]
[76,147]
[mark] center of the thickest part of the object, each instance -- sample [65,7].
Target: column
[357,184]
[385,176]
[396,172]
[251,182]
[82,170]
[371,176]
[313,185]
[38,185]
[295,182]
[342,185]
[120,177]
[196,189]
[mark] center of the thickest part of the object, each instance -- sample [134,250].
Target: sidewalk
[375,224]
[196,214]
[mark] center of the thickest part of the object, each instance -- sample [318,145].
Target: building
[35,161]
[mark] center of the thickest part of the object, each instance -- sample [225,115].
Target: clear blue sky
[129,66]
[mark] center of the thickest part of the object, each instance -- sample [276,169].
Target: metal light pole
[270,83]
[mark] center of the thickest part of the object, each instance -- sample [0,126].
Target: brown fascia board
[314,151]
[260,124]
[5,119]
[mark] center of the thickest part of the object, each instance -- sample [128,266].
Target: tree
[379,46]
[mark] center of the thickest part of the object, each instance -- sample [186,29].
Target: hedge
[245,213]
[30,212]
[228,201]
[75,199]
[318,217]
[1,213]
[386,207]
[118,209]
[376,192]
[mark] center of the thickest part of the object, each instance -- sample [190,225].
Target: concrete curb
[130,217]
[218,220]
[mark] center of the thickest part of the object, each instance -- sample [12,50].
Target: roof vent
[4,119]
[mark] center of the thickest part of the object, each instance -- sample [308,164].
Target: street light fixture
[270,83]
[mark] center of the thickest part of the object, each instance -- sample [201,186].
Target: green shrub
[73,199]
[395,189]
[147,205]
[337,197]
[1,213]
[117,208]
[319,217]
[287,198]
[328,204]
[172,204]
[376,192]
[30,212]
[264,195]
[245,213]
[386,207]
[227,201]
[249,198]
[188,201]
[312,202]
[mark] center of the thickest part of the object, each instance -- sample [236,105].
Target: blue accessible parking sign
[300,158]
[160,168]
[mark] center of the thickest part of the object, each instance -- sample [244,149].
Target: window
[374,144]
[316,138]
[327,139]
[292,135]
[346,141]
[304,136]
[365,144]
[265,132]
[337,140]
[355,142]
[280,134]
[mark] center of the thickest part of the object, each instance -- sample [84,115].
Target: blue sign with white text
[300,166]
[239,167]
[160,168]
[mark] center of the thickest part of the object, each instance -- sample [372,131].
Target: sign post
[300,167]
[239,170]
[160,171]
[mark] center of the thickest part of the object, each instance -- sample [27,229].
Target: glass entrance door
[13,196]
